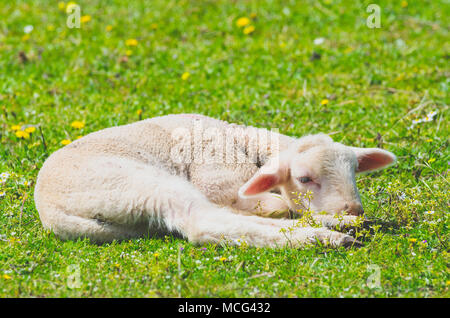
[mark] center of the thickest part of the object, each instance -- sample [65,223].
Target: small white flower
[27,29]
[319,41]
[429,212]
[2,194]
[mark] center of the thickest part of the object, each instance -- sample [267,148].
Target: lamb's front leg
[339,222]
[216,225]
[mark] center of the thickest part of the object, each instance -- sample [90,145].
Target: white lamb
[189,174]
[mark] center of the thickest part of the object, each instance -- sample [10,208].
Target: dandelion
[156,255]
[109,28]
[128,52]
[65,142]
[185,76]
[22,134]
[16,127]
[242,22]
[431,160]
[30,129]
[6,276]
[222,259]
[139,112]
[2,194]
[25,37]
[85,18]
[153,26]
[429,140]
[77,124]
[50,27]
[249,29]
[413,240]
[61,5]
[404,4]
[131,42]
[79,137]
[13,240]
[324,101]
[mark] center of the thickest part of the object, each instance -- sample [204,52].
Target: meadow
[300,66]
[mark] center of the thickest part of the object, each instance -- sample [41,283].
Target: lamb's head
[324,168]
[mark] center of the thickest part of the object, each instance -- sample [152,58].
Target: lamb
[204,179]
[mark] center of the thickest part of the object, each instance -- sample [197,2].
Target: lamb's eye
[305,179]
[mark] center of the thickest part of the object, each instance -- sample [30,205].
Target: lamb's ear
[266,178]
[370,159]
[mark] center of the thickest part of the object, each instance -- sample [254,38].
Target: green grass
[376,81]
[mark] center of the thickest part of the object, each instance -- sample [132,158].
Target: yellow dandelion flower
[61,5]
[413,240]
[222,259]
[324,101]
[70,6]
[65,142]
[185,76]
[16,127]
[30,129]
[404,4]
[22,134]
[79,137]
[249,29]
[14,239]
[131,42]
[77,124]
[85,18]
[253,15]
[156,255]
[429,140]
[242,22]
[50,27]
[128,52]
[6,276]
[25,37]
[109,28]
[139,112]
[431,160]
[348,50]
[447,283]
[153,26]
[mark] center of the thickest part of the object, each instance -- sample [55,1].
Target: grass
[364,86]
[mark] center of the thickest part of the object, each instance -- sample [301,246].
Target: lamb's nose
[354,208]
